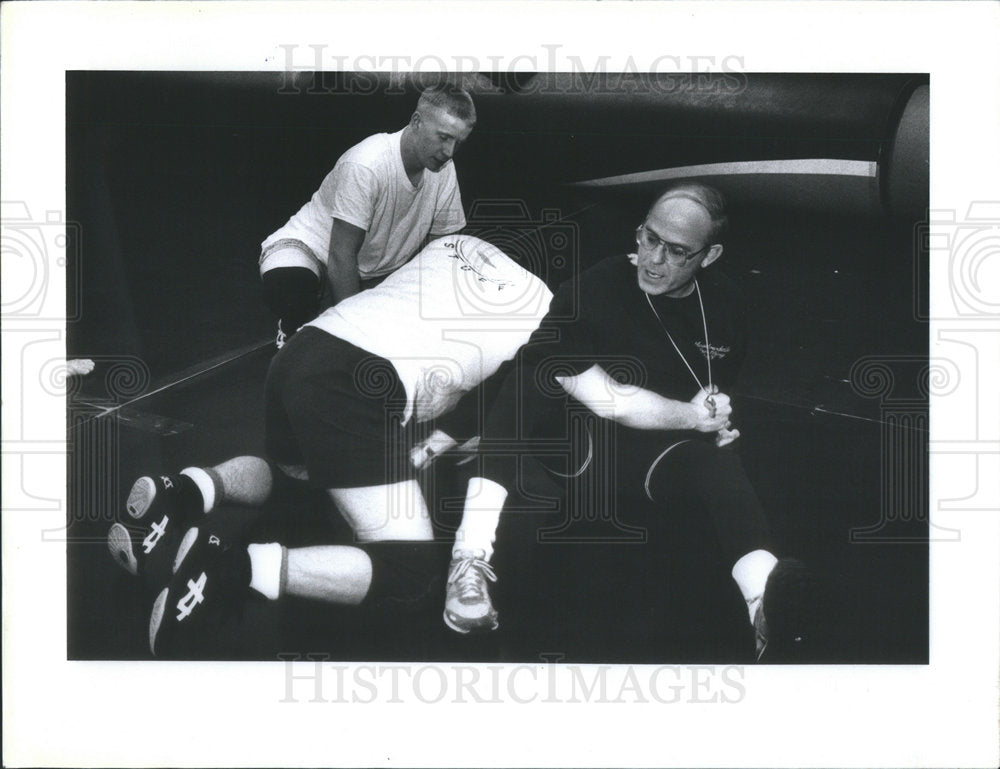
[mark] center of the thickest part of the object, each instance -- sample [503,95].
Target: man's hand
[709,418]
[726,436]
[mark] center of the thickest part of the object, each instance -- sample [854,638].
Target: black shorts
[337,410]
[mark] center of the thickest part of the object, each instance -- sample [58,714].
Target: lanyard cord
[704,325]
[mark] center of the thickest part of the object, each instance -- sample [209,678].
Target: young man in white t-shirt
[384,199]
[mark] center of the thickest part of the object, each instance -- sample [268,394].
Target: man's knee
[293,294]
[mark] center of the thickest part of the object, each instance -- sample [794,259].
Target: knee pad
[293,294]
[406,574]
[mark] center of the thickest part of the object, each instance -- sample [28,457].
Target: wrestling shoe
[211,579]
[467,604]
[281,338]
[787,620]
[160,510]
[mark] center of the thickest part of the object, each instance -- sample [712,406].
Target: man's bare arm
[643,409]
[342,261]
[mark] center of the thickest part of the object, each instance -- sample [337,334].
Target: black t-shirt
[603,317]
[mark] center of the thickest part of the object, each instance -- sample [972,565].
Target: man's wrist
[690,412]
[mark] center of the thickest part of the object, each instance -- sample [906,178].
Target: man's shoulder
[719,282]
[601,285]
[371,152]
[721,291]
[609,273]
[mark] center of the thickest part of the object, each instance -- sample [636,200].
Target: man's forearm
[342,260]
[342,277]
[645,410]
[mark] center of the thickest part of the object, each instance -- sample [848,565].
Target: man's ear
[415,119]
[713,253]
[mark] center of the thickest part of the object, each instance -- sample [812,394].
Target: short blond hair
[451,98]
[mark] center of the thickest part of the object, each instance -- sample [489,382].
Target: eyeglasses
[676,254]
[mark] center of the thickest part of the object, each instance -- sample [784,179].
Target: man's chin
[653,287]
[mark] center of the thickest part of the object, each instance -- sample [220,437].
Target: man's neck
[680,293]
[411,163]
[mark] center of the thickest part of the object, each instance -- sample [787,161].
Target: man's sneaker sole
[144,541]
[141,497]
[488,623]
[156,618]
[160,604]
[120,547]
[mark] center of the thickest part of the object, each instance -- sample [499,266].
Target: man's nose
[659,255]
[449,148]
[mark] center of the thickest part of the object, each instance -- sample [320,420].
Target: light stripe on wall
[816,166]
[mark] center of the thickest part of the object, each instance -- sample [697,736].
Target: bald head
[707,198]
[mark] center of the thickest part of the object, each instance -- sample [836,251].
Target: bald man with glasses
[642,351]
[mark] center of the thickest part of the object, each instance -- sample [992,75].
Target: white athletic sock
[268,569]
[484,501]
[750,573]
[205,485]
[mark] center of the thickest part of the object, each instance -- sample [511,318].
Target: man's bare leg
[338,573]
[330,573]
[210,572]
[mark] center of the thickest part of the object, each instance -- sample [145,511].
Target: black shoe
[159,514]
[787,621]
[211,580]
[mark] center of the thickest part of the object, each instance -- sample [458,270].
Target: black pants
[623,479]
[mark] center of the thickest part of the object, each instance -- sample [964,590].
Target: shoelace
[467,575]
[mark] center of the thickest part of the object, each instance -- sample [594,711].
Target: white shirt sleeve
[351,190]
[448,214]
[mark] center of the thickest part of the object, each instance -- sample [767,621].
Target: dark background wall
[175,178]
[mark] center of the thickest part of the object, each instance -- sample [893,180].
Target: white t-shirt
[446,320]
[369,188]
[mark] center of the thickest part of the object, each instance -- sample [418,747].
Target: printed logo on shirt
[458,252]
[717,351]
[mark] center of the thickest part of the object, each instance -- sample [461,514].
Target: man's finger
[725,437]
